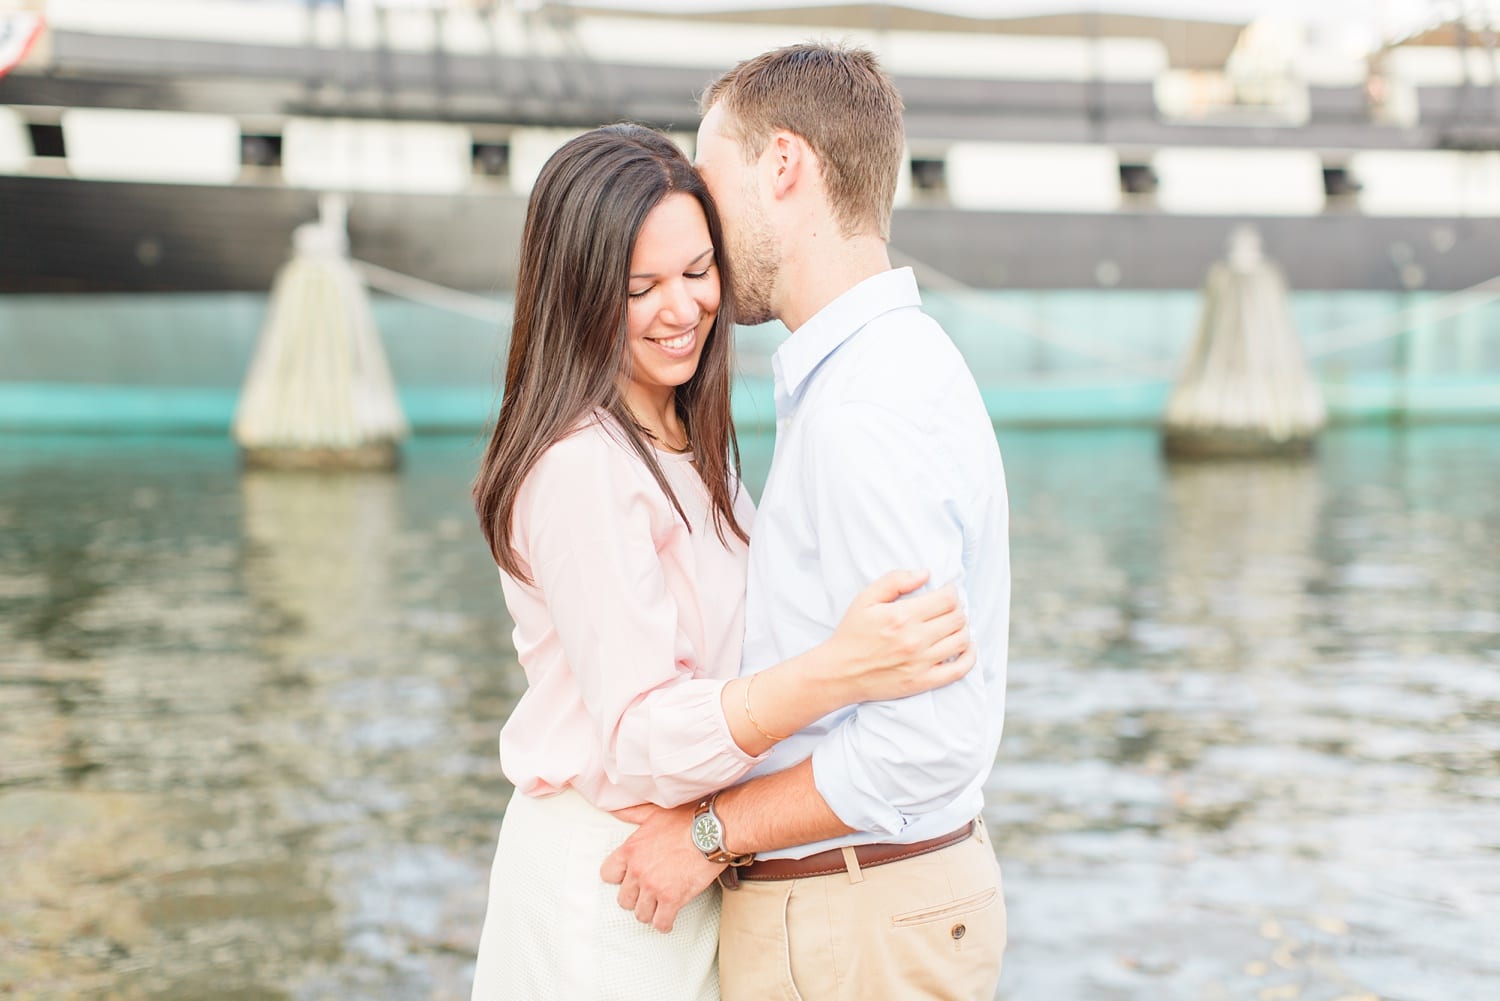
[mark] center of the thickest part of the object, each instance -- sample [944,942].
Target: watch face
[707,834]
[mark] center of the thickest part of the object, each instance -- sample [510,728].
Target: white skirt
[553,929]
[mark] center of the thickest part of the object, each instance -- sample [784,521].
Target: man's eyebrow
[695,260]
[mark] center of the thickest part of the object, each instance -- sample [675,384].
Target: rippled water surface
[248,722]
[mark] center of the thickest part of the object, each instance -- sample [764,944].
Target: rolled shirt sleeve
[884,498]
[591,530]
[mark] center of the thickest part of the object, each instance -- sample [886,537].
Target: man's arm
[777,811]
[900,489]
[659,869]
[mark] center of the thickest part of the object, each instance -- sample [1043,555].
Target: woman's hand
[886,648]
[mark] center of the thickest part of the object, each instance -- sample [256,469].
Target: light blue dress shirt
[885,459]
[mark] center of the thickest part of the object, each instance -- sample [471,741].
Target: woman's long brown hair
[568,342]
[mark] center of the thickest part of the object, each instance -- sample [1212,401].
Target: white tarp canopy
[1385,17]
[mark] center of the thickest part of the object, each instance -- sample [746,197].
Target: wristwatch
[708,836]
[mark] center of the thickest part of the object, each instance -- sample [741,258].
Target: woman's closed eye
[694,275]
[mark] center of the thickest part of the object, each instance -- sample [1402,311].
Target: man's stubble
[756,258]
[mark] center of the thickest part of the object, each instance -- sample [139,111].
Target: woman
[610,498]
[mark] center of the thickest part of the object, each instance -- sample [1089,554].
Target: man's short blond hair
[843,104]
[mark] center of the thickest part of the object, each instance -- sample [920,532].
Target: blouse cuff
[692,751]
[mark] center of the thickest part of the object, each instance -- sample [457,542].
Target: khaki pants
[926,927]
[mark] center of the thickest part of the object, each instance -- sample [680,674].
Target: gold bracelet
[751,716]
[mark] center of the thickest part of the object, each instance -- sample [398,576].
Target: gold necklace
[687,441]
[687,435]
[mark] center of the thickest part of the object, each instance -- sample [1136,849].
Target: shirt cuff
[847,787]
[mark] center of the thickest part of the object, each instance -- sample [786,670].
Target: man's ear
[791,159]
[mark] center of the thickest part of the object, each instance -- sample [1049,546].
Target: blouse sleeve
[586,521]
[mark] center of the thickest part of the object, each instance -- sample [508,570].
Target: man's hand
[658,868]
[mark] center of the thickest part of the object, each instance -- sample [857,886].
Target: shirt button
[959,931]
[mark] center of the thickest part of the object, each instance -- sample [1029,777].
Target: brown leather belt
[832,861]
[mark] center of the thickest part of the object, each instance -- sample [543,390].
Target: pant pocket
[953,952]
[952,909]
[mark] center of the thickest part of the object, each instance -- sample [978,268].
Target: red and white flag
[18,33]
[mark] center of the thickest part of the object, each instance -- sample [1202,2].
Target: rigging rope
[431,294]
[1345,338]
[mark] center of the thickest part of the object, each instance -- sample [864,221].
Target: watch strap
[721,855]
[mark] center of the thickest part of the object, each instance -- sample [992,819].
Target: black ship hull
[67,235]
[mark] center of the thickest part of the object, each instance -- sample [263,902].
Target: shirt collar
[836,322]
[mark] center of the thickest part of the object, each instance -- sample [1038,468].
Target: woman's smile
[678,345]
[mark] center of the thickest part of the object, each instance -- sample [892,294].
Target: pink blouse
[630,632]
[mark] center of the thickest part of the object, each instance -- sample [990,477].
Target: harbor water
[248,721]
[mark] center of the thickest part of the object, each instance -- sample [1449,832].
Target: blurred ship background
[1072,176]
[248,716]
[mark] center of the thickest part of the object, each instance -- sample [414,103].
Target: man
[870,877]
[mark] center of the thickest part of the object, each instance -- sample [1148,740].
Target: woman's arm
[644,720]
[883,649]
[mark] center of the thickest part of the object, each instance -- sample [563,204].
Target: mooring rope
[1397,323]
[1349,336]
[1416,319]
[432,294]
